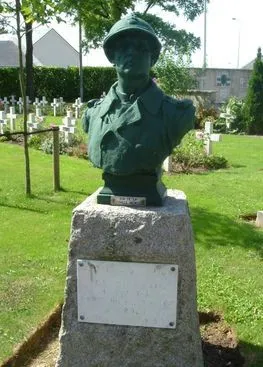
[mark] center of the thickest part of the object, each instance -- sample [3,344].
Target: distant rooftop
[9,52]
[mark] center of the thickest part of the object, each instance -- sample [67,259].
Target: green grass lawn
[34,234]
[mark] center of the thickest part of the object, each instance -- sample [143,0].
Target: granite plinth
[150,235]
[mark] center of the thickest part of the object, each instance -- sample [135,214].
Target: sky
[230,43]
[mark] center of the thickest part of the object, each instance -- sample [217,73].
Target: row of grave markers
[57,104]
[35,122]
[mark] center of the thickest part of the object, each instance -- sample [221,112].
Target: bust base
[149,187]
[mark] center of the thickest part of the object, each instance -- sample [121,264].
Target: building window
[243,83]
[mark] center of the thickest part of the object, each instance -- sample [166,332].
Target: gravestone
[68,128]
[37,103]
[12,118]
[259,220]
[131,287]
[32,123]
[6,104]
[13,100]
[77,105]
[20,104]
[28,101]
[3,122]
[55,105]
[167,164]
[44,102]
[61,104]
[208,137]
[39,117]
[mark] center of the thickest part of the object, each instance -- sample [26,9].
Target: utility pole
[205,11]
[238,41]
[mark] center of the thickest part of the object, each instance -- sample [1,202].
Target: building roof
[9,52]
[53,50]
[249,65]
[55,33]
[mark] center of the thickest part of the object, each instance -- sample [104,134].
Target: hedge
[54,82]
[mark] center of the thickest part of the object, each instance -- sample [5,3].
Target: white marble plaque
[127,293]
[128,200]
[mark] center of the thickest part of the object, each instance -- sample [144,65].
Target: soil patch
[250,217]
[219,343]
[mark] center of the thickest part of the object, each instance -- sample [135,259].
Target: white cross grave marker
[13,100]
[3,122]
[68,128]
[37,103]
[27,101]
[55,104]
[77,106]
[5,103]
[20,104]
[12,118]
[32,124]
[39,116]
[44,102]
[61,104]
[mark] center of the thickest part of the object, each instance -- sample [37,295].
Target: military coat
[136,138]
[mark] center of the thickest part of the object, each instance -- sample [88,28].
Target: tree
[253,108]
[12,11]
[32,12]
[174,75]
[96,17]
[99,16]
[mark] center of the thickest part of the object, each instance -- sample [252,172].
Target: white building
[50,50]
[53,50]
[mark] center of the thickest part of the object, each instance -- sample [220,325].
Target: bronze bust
[136,126]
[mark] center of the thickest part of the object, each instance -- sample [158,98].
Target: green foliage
[98,17]
[172,39]
[173,74]
[36,141]
[205,114]
[235,108]
[47,145]
[253,108]
[60,82]
[190,155]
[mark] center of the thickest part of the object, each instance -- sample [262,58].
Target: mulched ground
[219,342]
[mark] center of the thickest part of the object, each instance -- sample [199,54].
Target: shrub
[53,82]
[190,155]
[47,145]
[36,141]
[253,108]
[235,108]
[205,114]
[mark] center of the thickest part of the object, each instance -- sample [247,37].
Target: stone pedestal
[146,235]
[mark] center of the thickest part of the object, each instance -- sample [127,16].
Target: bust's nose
[131,49]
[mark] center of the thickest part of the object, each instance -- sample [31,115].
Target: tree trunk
[29,62]
[23,92]
[80,60]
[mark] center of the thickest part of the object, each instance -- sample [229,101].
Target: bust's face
[132,55]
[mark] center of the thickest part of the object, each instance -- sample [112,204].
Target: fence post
[56,178]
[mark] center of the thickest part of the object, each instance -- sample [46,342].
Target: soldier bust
[136,126]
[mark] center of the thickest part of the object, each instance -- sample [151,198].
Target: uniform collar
[151,99]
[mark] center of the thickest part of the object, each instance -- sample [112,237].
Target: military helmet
[132,23]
